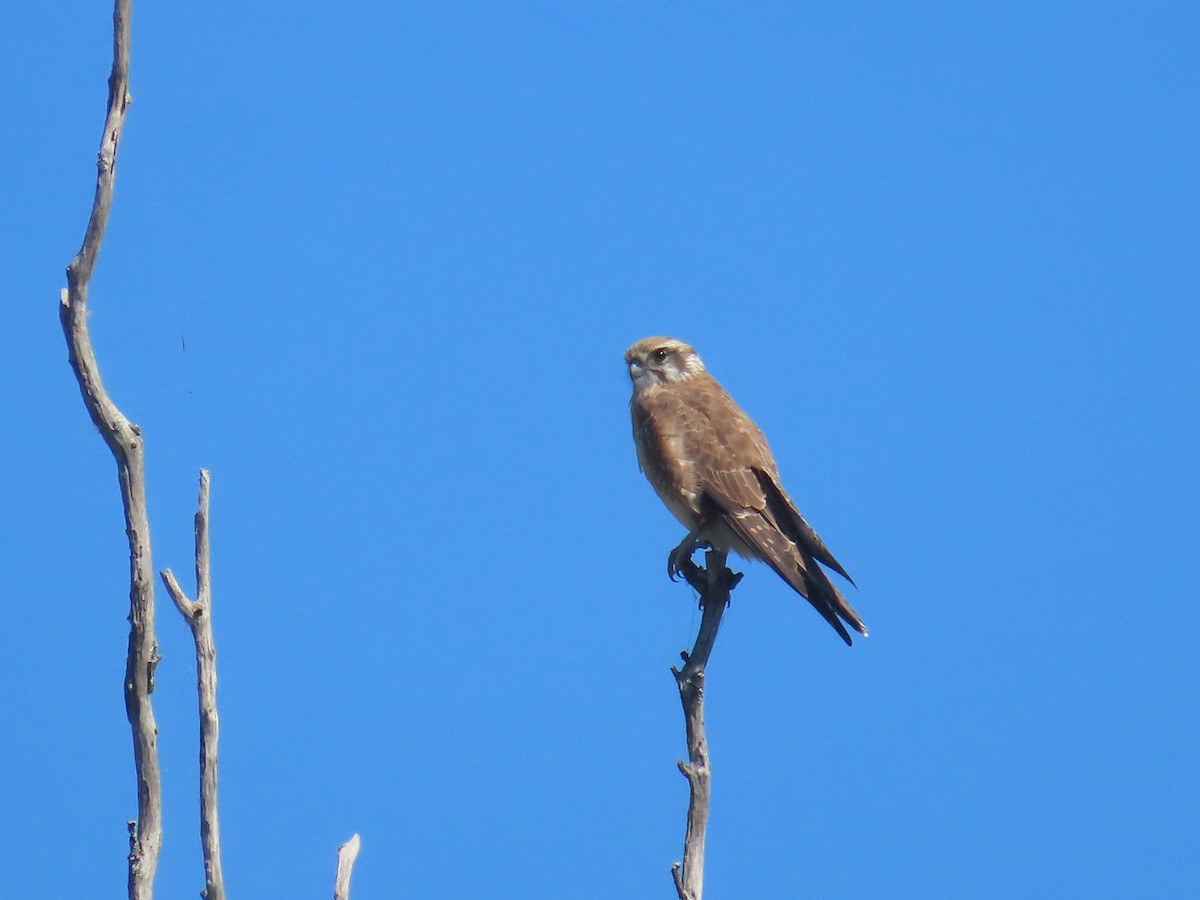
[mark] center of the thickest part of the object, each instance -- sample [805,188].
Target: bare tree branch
[198,614]
[713,582]
[347,854]
[124,439]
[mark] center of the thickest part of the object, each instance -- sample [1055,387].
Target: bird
[713,469]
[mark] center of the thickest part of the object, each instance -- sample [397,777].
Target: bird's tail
[806,577]
[798,567]
[827,599]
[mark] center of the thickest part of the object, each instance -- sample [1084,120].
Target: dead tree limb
[198,614]
[347,854]
[124,439]
[713,582]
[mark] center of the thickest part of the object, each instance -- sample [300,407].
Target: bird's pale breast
[665,452]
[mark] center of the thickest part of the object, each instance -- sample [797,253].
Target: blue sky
[375,266]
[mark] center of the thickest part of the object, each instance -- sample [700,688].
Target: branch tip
[678,879]
[346,855]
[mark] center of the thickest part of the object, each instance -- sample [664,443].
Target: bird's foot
[679,560]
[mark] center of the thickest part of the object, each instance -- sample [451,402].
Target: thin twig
[124,439]
[198,614]
[713,582]
[347,854]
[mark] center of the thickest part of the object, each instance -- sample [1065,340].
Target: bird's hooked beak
[641,375]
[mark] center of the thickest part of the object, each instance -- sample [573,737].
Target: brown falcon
[711,466]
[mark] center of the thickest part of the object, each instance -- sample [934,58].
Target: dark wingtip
[857,626]
[837,567]
[829,614]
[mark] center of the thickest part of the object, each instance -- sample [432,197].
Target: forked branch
[124,439]
[713,582]
[198,614]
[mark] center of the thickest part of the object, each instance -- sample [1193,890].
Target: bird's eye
[661,354]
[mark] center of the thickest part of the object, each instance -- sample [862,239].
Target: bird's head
[661,360]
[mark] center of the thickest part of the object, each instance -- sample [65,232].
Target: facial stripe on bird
[659,360]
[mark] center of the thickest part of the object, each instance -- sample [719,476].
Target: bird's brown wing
[739,482]
[803,574]
[797,528]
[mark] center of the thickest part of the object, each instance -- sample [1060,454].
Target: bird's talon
[678,560]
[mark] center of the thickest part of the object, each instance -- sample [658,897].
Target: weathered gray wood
[124,439]
[347,854]
[713,582]
[198,614]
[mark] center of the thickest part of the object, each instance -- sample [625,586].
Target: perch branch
[347,854]
[124,439]
[713,582]
[198,614]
